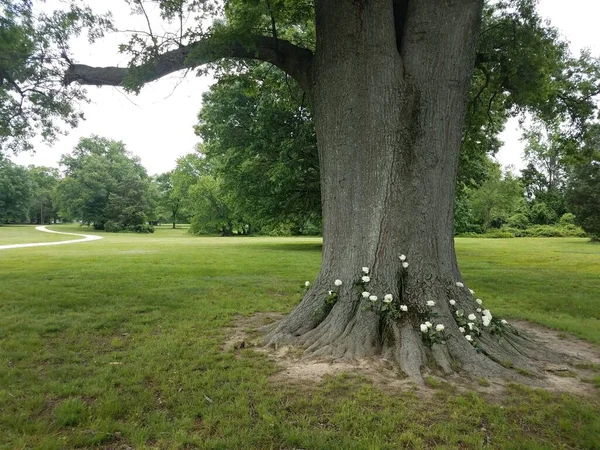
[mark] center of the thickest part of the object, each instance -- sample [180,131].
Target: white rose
[472,317]
[307,283]
[338,282]
[459,284]
[487,313]
[486,321]
[439,327]
[366,279]
[471,291]
[452,302]
[471,325]
[430,303]
[479,301]
[469,338]
[461,329]
[402,257]
[387,298]
[424,328]
[366,294]
[504,322]
[365,269]
[429,324]
[478,310]
[373,298]
[405,265]
[403,308]
[330,292]
[459,313]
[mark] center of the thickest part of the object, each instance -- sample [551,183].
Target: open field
[25,234]
[118,344]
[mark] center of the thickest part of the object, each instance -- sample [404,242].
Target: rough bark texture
[388,84]
[389,100]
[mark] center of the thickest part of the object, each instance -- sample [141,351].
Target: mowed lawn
[118,344]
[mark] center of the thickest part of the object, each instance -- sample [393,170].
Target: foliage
[104,182]
[42,206]
[34,49]
[498,198]
[259,138]
[583,196]
[15,192]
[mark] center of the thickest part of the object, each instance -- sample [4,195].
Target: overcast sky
[157,124]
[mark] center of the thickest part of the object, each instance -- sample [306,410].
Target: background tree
[103,184]
[260,141]
[498,198]
[15,192]
[42,207]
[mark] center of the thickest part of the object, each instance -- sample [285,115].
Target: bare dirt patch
[582,362]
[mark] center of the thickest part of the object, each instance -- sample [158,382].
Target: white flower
[469,338]
[338,282]
[478,310]
[459,313]
[405,264]
[429,324]
[459,284]
[424,328]
[330,292]
[504,322]
[387,298]
[452,302]
[402,257]
[479,301]
[307,283]
[471,291]
[403,308]
[486,321]
[439,327]
[365,269]
[487,313]
[430,303]
[366,294]
[471,325]
[461,329]
[472,317]
[373,298]
[366,279]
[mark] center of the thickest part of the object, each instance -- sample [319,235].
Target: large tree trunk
[389,114]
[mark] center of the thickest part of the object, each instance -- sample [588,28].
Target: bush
[498,234]
[567,219]
[112,227]
[554,231]
[141,228]
[519,220]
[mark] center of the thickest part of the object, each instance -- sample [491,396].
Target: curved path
[86,238]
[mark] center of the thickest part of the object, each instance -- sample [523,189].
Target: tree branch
[294,60]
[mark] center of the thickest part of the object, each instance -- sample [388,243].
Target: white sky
[157,124]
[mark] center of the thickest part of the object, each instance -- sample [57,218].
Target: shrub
[141,228]
[567,219]
[519,220]
[498,234]
[112,227]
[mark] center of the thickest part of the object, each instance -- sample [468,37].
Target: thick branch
[294,60]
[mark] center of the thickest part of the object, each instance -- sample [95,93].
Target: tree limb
[294,60]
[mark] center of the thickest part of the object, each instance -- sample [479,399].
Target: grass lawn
[25,234]
[118,344]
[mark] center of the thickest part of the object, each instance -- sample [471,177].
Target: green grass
[118,343]
[24,234]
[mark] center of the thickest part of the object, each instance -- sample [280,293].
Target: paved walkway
[86,238]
